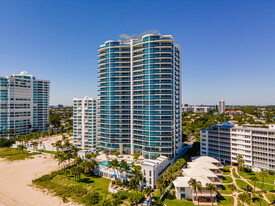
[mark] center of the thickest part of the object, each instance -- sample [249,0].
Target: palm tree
[78,171]
[21,148]
[168,177]
[148,191]
[232,188]
[240,161]
[260,196]
[114,165]
[196,186]
[125,168]
[160,184]
[61,158]
[69,157]
[34,145]
[254,179]
[212,188]
[94,165]
[263,174]
[242,198]
[245,198]
[78,160]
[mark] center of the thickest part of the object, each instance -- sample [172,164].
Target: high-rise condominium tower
[140,96]
[24,104]
[221,106]
[85,123]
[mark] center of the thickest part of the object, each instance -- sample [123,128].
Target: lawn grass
[270,178]
[241,184]
[225,201]
[235,174]
[47,151]
[270,197]
[176,202]
[226,170]
[67,188]
[227,179]
[270,188]
[224,190]
[98,183]
[222,200]
[12,154]
[256,202]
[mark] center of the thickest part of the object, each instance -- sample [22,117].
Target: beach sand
[16,179]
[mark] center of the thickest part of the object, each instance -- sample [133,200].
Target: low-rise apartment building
[153,169]
[206,170]
[256,145]
[195,109]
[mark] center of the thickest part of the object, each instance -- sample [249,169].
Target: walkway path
[245,180]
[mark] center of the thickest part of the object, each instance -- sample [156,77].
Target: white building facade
[153,169]
[24,104]
[195,109]
[204,169]
[225,142]
[85,123]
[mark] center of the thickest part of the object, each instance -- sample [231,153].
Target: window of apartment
[182,189]
[182,196]
[144,172]
[150,173]
[150,181]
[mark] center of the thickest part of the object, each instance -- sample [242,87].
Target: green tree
[88,156]
[136,156]
[212,189]
[117,153]
[55,120]
[34,145]
[263,174]
[232,188]
[196,186]
[254,179]
[240,161]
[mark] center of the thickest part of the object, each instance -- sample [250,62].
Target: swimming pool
[106,163]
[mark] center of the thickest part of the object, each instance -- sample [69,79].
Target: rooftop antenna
[135,35]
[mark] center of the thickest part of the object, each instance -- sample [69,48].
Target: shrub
[247,170]
[116,153]
[122,195]
[136,156]
[92,198]
[6,142]
[88,156]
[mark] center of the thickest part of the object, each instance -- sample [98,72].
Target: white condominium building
[153,169]
[85,123]
[195,109]
[225,142]
[24,104]
[221,106]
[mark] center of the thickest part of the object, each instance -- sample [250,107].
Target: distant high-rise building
[85,123]
[140,96]
[221,106]
[24,104]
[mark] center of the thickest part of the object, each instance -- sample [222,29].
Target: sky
[228,46]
